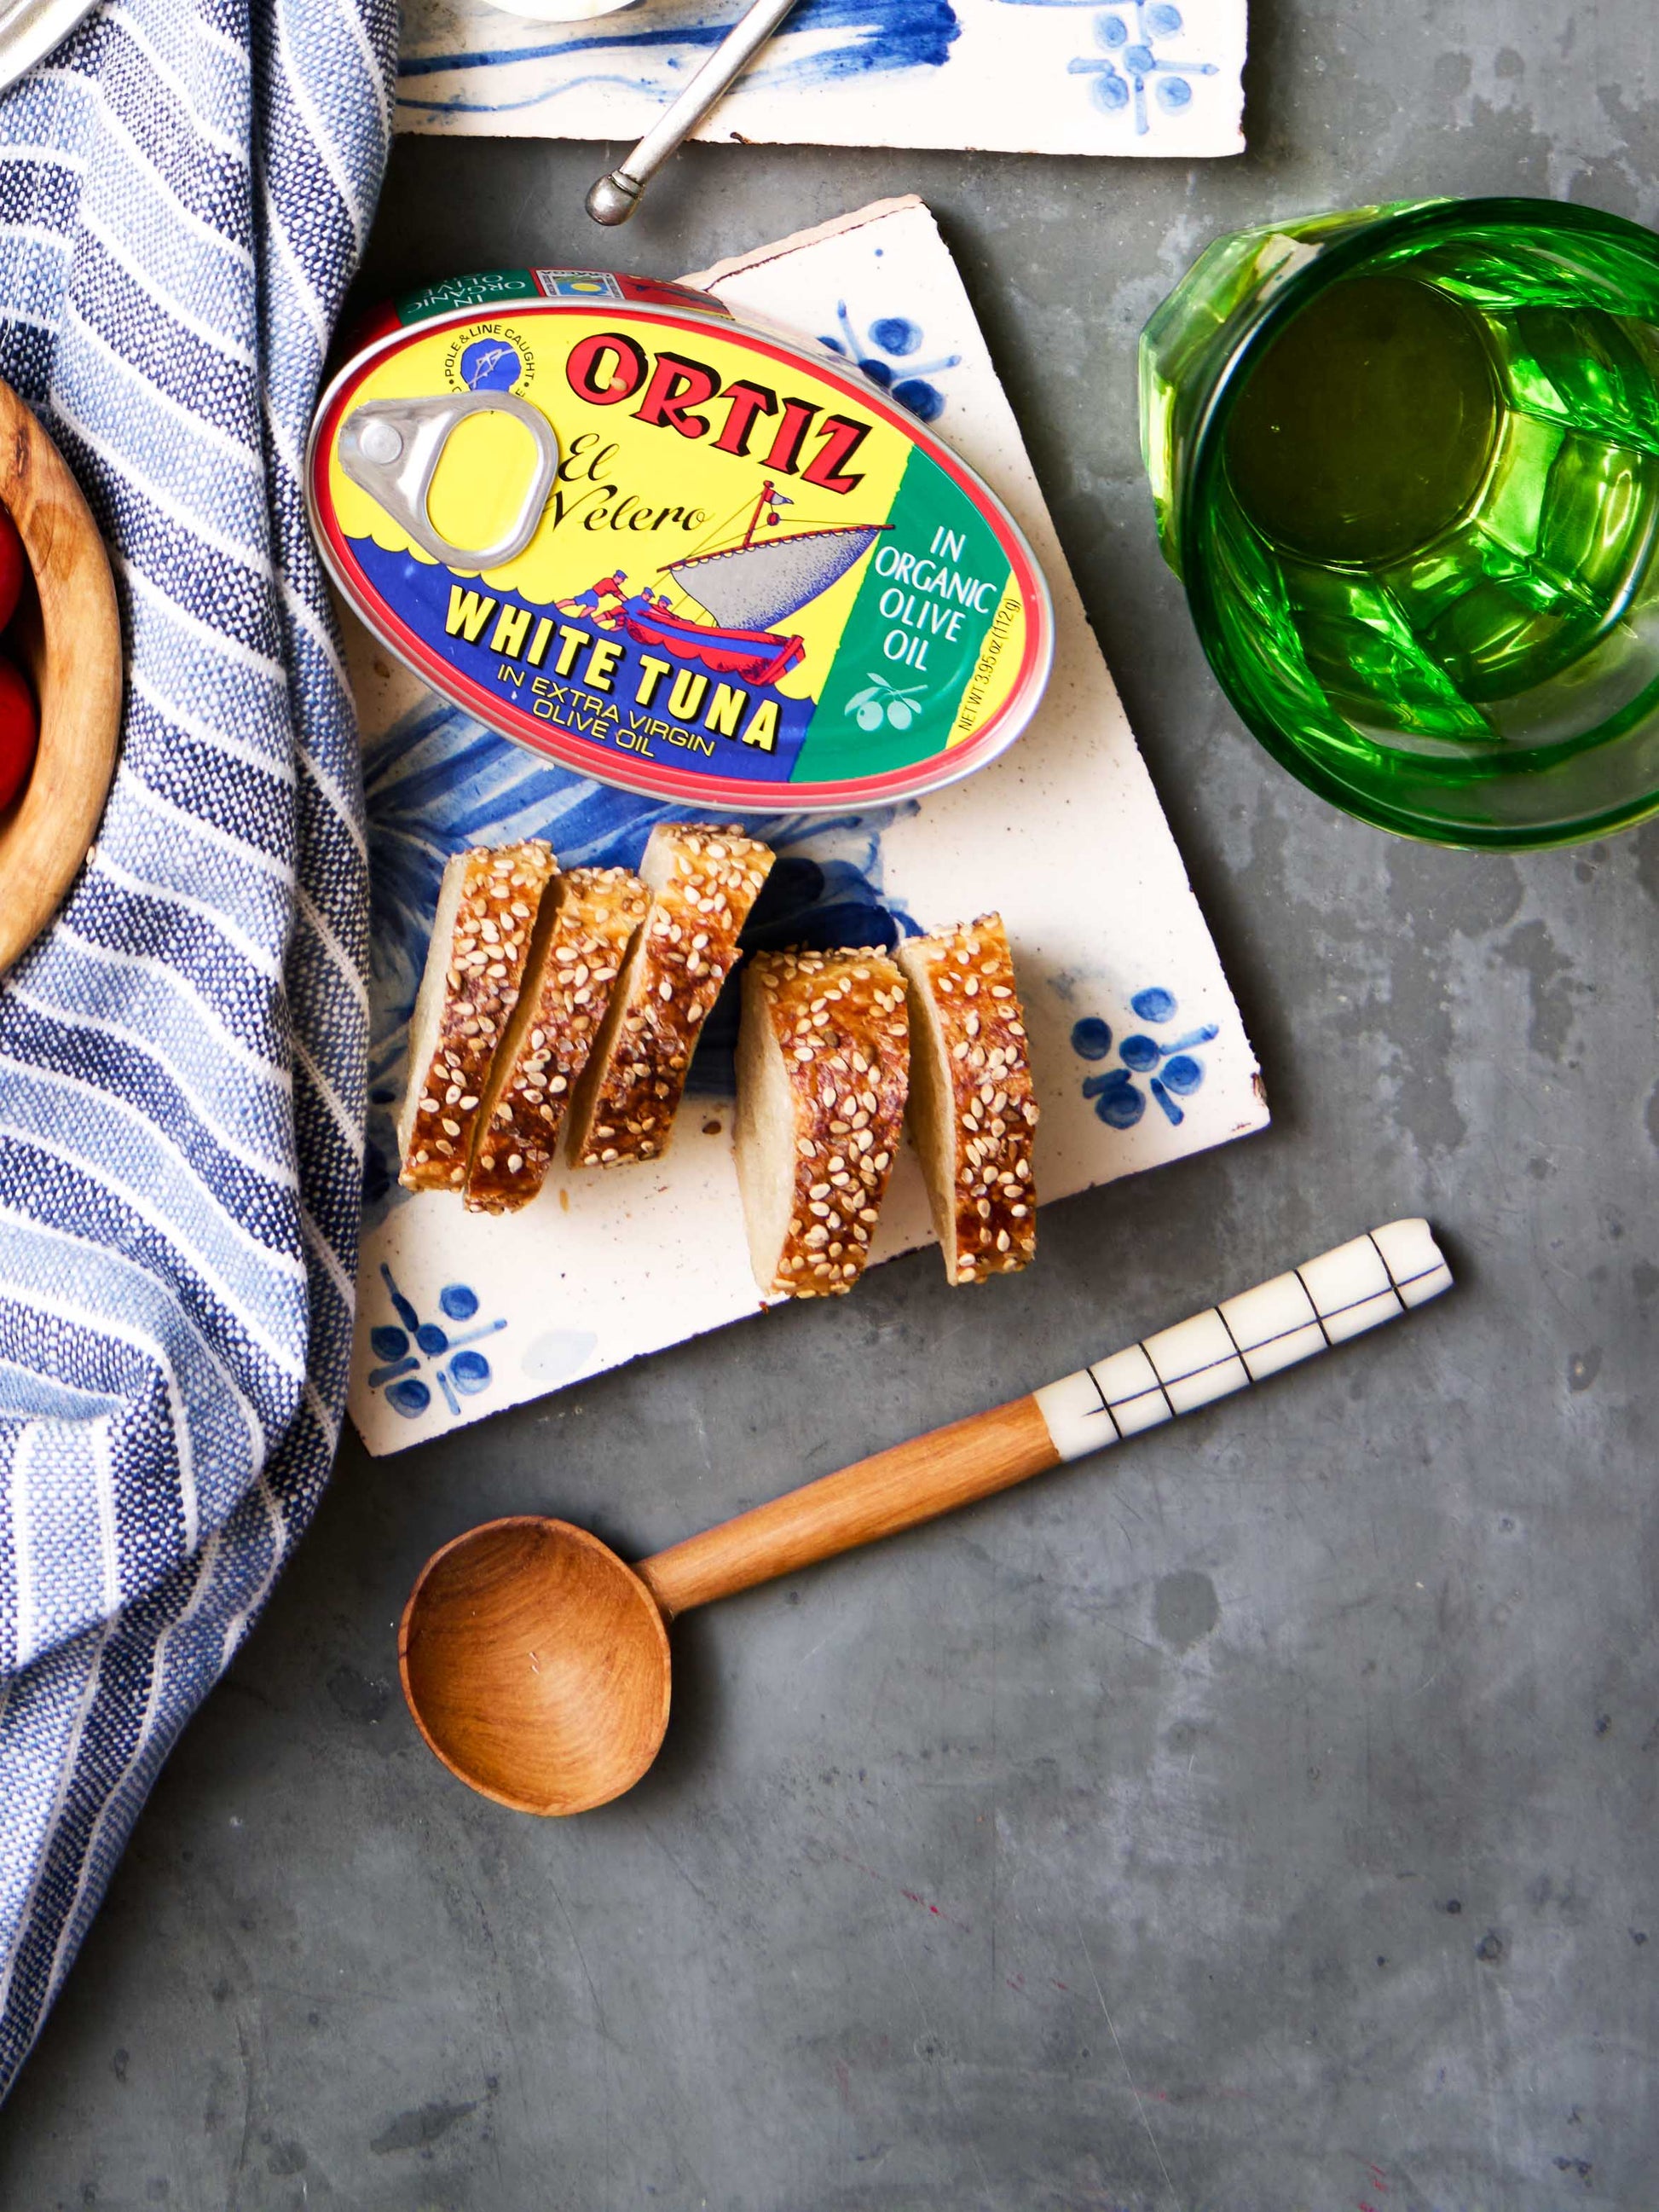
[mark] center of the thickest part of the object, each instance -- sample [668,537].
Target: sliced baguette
[972,1110]
[702,882]
[487,906]
[824,1065]
[588,917]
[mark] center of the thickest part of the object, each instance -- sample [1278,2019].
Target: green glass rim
[1265,318]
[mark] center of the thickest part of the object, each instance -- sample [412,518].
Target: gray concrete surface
[1261,1819]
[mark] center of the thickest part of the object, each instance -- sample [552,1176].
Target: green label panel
[489,289]
[929,594]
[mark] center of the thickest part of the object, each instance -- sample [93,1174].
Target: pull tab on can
[391,449]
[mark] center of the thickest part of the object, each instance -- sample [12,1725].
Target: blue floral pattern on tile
[1129,71]
[1170,1069]
[413,1353]
[1130,68]
[888,358]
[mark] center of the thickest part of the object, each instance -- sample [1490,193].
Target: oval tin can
[674,552]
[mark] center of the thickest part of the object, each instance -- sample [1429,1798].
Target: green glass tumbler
[1406,460]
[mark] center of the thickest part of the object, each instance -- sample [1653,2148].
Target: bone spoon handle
[1341,1294]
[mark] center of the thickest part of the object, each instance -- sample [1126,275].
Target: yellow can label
[678,554]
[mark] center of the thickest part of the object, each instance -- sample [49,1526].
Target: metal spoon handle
[614,198]
[1375,1278]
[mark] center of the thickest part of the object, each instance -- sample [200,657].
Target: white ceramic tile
[1048,77]
[1138,1050]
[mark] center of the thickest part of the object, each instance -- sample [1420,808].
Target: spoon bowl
[536,1665]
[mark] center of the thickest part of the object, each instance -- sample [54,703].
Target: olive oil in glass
[1407,462]
[1367,429]
[1448,559]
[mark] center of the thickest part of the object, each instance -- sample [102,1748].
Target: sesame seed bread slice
[487,907]
[823,1067]
[702,882]
[589,919]
[972,1110]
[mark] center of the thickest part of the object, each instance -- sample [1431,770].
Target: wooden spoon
[536,1663]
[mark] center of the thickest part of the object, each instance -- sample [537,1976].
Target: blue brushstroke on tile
[1165,1100]
[400,1305]
[898,337]
[406,1392]
[897,334]
[875,38]
[925,401]
[1182,1074]
[1118,1101]
[489,1329]
[471,1371]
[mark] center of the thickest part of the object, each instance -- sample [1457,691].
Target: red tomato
[18,731]
[13,567]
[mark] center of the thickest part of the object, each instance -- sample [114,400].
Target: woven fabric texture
[184,190]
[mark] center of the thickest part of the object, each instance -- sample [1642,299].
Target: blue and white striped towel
[185,187]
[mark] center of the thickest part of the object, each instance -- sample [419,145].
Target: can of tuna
[672,551]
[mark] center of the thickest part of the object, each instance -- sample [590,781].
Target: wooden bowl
[67,632]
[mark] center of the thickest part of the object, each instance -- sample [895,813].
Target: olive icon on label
[881,701]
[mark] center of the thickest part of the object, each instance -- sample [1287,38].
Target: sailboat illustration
[748,588]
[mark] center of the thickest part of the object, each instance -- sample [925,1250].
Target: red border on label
[603,764]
